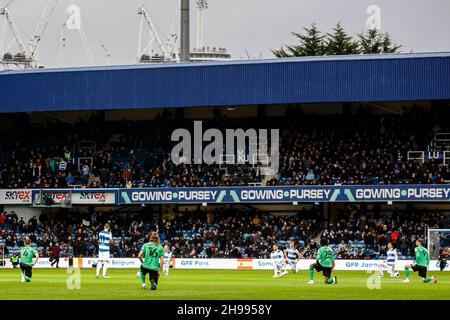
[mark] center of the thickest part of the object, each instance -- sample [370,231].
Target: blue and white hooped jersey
[277,255]
[292,254]
[167,256]
[391,257]
[103,241]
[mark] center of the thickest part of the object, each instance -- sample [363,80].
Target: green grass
[50,284]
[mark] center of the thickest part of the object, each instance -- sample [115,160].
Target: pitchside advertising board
[228,264]
[59,196]
[273,194]
[303,264]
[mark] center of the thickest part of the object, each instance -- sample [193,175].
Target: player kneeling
[278,259]
[152,259]
[421,265]
[324,263]
[292,256]
[27,253]
[389,264]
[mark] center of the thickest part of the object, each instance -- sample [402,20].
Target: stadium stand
[363,148]
[357,234]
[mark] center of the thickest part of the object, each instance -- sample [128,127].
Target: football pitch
[51,284]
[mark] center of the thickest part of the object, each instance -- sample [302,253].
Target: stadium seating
[335,149]
[362,234]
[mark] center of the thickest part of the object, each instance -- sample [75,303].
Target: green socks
[311,274]
[426,280]
[407,273]
[311,277]
[142,278]
[27,279]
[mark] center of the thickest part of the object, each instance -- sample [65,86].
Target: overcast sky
[239,25]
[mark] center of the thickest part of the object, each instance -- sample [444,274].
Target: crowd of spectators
[359,235]
[192,234]
[348,149]
[358,150]
[355,233]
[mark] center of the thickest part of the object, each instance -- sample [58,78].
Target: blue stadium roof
[359,78]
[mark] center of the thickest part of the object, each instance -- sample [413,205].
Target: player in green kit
[421,265]
[324,263]
[152,260]
[27,253]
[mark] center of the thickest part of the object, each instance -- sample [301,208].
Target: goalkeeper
[421,265]
[443,257]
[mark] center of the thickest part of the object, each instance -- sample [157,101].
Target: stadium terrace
[87,174]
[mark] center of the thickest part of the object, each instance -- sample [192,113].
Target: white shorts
[103,256]
[291,261]
[279,263]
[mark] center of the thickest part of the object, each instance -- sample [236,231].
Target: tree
[339,42]
[281,53]
[387,45]
[311,44]
[370,42]
[374,42]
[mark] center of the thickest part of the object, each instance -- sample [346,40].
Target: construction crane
[96,38]
[87,47]
[170,52]
[146,55]
[42,26]
[200,52]
[77,22]
[27,58]
[201,6]
[20,57]
[172,40]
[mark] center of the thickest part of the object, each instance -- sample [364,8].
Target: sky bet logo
[18,195]
[59,196]
[93,196]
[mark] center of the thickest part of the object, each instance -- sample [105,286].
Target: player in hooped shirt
[292,256]
[389,264]
[278,259]
[104,242]
[167,260]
